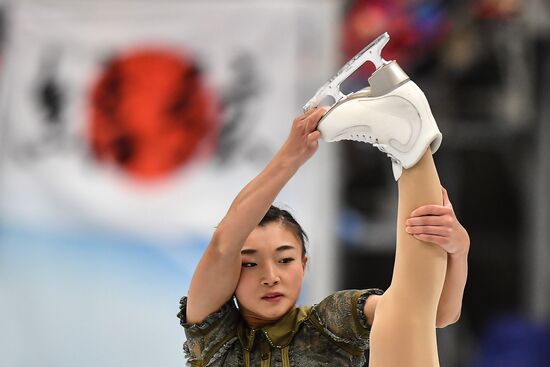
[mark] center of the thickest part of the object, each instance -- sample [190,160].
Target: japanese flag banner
[126,130]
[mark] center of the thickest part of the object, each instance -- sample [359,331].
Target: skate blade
[372,52]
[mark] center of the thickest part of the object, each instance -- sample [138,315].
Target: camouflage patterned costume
[332,333]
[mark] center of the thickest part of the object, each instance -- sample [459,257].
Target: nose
[270,277]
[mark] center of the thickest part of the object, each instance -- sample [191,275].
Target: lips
[272,297]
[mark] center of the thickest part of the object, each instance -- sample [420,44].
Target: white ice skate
[392,114]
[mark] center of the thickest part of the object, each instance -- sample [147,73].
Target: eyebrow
[250,251]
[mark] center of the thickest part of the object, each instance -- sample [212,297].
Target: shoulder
[227,310]
[346,301]
[205,340]
[343,313]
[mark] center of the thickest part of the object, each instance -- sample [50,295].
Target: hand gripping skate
[392,113]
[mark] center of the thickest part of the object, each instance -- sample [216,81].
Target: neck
[255,322]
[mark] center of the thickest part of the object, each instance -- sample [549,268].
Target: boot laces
[363,138]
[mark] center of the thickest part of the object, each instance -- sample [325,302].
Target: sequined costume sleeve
[342,317]
[209,339]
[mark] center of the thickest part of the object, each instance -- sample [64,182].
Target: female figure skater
[257,256]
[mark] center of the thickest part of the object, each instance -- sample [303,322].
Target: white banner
[136,123]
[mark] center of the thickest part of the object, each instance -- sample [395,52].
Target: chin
[271,313]
[276,312]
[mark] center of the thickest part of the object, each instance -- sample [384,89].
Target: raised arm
[217,274]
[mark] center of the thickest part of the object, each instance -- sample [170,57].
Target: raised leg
[403,333]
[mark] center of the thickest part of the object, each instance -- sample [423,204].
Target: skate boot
[392,114]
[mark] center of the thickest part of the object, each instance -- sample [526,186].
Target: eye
[248,265]
[286,260]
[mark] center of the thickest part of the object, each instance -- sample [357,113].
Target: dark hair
[275,214]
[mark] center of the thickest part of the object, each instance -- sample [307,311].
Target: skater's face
[271,274]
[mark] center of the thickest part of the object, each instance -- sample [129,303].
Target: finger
[438,240]
[313,145]
[446,201]
[430,230]
[305,115]
[324,109]
[430,210]
[300,127]
[309,112]
[313,137]
[430,220]
[313,120]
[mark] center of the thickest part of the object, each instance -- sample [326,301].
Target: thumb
[313,138]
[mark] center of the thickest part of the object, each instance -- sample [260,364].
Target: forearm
[253,201]
[450,302]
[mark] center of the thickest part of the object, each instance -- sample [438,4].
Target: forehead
[271,236]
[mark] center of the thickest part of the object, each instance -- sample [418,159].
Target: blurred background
[127,128]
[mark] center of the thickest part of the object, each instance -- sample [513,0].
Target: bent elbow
[223,246]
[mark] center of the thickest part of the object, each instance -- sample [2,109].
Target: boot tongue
[397,169]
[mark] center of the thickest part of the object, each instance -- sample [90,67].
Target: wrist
[460,255]
[464,241]
[286,161]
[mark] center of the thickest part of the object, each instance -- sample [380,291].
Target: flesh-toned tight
[403,332]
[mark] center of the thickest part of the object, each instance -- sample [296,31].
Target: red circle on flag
[151,113]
